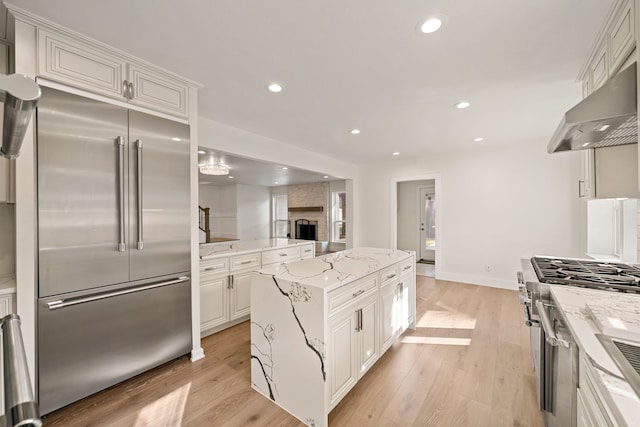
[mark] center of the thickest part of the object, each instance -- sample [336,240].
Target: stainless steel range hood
[607,117]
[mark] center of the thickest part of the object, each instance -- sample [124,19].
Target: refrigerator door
[88,342]
[82,191]
[159,196]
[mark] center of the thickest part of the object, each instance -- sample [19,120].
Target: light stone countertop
[7,285]
[573,301]
[337,269]
[238,247]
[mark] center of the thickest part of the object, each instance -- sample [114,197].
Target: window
[338,216]
[280,216]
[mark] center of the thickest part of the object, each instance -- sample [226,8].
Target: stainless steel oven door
[558,374]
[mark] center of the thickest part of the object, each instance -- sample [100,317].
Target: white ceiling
[360,63]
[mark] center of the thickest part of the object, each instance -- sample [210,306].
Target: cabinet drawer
[79,64]
[245,262]
[347,294]
[307,251]
[214,266]
[407,266]
[274,256]
[389,275]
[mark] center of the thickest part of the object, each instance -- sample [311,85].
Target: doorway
[427,224]
[415,220]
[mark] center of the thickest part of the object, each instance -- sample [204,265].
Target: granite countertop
[7,285]
[575,304]
[337,269]
[237,247]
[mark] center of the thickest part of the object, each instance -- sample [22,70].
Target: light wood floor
[467,364]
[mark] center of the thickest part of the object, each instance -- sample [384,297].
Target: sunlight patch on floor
[445,319]
[436,340]
[166,411]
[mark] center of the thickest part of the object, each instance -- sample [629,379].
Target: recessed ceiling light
[354,131]
[276,182]
[462,104]
[326,176]
[274,87]
[396,153]
[176,139]
[478,139]
[586,144]
[230,177]
[431,25]
[202,152]
[284,168]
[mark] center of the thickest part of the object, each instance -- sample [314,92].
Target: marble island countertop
[7,285]
[337,269]
[581,308]
[237,247]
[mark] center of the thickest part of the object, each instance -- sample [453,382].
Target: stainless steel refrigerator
[114,296]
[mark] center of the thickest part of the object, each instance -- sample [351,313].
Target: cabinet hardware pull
[246,262]
[130,90]
[308,250]
[121,242]
[125,89]
[360,292]
[407,267]
[139,178]
[391,276]
[54,305]
[210,268]
[282,254]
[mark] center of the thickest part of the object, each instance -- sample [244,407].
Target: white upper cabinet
[621,36]
[82,63]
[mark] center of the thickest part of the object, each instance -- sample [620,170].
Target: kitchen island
[604,396]
[225,276]
[318,325]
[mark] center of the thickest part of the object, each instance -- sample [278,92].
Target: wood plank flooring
[467,364]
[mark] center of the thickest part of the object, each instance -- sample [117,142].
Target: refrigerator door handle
[57,304]
[121,241]
[139,178]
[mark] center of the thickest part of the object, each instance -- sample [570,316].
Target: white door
[427,224]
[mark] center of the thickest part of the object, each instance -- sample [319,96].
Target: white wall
[408,214]
[7,240]
[600,227]
[497,205]
[222,202]
[254,213]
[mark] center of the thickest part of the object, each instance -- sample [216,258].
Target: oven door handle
[550,334]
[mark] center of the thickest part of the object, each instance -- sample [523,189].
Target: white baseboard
[197,354]
[478,280]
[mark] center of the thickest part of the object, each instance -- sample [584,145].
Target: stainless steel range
[555,357]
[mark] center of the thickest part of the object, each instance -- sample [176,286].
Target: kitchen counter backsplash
[7,285]
[235,247]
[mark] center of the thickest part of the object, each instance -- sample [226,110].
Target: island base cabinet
[240,287]
[213,302]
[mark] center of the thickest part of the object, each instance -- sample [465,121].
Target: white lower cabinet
[240,294]
[592,409]
[353,345]
[397,308]
[214,309]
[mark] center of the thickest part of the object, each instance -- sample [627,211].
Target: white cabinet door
[388,319]
[240,294]
[622,37]
[214,306]
[6,305]
[405,313]
[157,91]
[342,368]
[80,64]
[307,251]
[368,335]
[585,184]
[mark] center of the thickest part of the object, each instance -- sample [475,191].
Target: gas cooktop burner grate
[593,274]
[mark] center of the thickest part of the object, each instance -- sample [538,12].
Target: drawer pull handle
[308,250]
[246,262]
[407,267]
[391,276]
[282,254]
[360,292]
[210,268]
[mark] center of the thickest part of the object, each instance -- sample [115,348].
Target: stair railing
[203,222]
